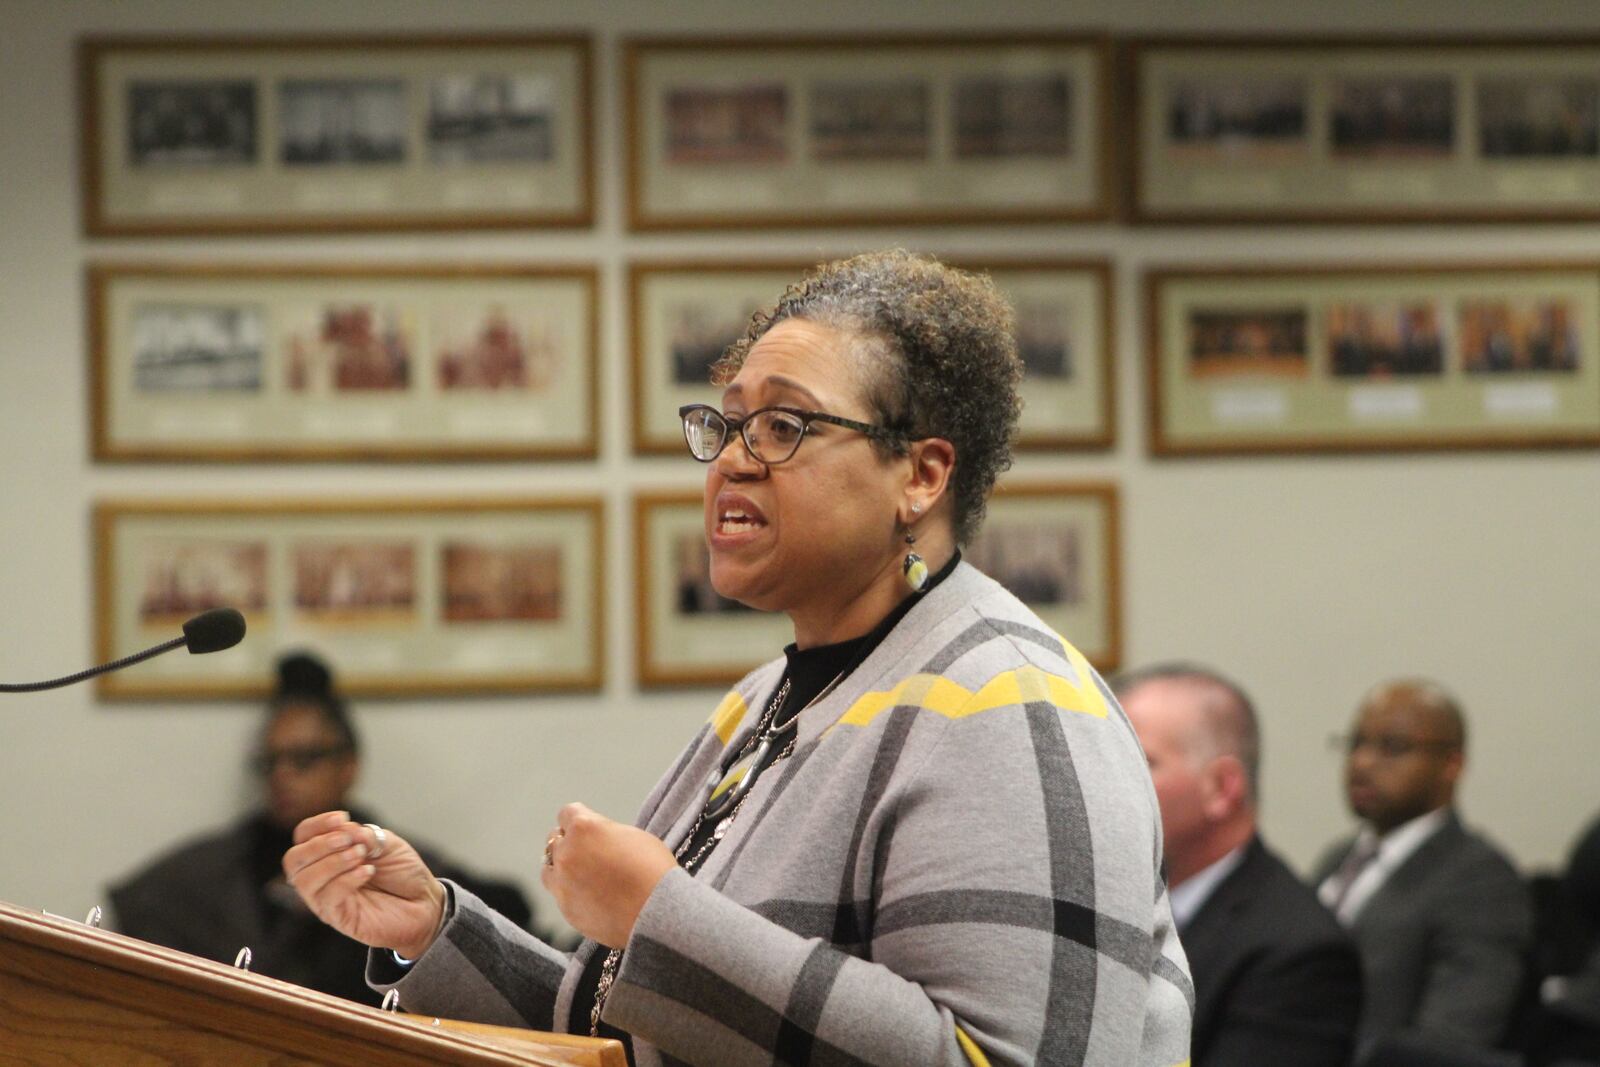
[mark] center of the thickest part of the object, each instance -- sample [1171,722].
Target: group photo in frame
[326,362]
[1393,358]
[683,314]
[750,133]
[403,596]
[208,135]
[1055,545]
[1301,129]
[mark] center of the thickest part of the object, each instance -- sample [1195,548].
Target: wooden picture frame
[742,133]
[685,634]
[1362,129]
[683,313]
[404,597]
[329,362]
[1344,358]
[299,134]
[1057,546]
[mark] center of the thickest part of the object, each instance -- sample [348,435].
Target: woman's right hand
[388,901]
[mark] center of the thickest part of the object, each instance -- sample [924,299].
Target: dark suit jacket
[1276,979]
[209,898]
[1443,940]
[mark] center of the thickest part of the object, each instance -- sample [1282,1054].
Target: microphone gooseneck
[210,631]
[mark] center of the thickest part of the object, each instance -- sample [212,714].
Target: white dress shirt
[1394,848]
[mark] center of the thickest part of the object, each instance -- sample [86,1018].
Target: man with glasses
[1441,917]
[225,891]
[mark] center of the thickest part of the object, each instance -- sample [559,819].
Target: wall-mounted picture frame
[326,362]
[1395,358]
[1295,129]
[221,135]
[686,634]
[1056,546]
[836,131]
[405,597]
[684,313]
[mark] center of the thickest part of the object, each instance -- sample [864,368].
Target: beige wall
[1307,578]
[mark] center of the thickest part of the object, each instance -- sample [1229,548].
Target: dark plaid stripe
[653,966]
[986,630]
[1165,968]
[797,1032]
[855,923]
[524,983]
[809,919]
[1069,1005]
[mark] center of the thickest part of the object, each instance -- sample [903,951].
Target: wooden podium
[71,995]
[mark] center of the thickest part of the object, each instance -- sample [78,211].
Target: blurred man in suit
[1276,980]
[1441,916]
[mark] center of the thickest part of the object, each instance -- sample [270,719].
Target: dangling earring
[915,569]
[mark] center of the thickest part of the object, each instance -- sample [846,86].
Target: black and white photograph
[491,118]
[197,348]
[1044,340]
[870,119]
[1237,118]
[1539,118]
[1008,117]
[199,123]
[1393,118]
[738,124]
[701,331]
[342,121]
[695,593]
[1038,562]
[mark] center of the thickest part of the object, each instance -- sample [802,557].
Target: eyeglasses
[1388,746]
[771,435]
[299,760]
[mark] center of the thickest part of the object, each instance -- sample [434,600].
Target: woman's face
[812,535]
[308,769]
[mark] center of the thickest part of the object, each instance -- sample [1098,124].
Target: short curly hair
[939,351]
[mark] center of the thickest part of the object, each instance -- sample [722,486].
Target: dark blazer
[1443,940]
[1276,979]
[211,897]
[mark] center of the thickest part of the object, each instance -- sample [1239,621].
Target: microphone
[209,631]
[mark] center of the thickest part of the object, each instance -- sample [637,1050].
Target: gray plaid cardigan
[960,864]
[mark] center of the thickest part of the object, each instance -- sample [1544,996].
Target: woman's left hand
[601,872]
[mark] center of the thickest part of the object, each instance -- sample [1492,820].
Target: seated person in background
[1567,1028]
[226,891]
[1276,979]
[1441,917]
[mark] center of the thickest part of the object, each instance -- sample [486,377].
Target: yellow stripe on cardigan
[944,697]
[727,716]
[970,1047]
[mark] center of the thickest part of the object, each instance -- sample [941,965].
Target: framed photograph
[687,633]
[683,314]
[739,133]
[187,135]
[1056,547]
[1309,130]
[337,363]
[1328,359]
[404,597]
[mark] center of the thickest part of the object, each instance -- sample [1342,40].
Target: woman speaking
[925,834]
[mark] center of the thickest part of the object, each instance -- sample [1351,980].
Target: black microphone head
[214,630]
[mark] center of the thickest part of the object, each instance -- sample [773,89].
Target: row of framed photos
[437,596]
[502,362]
[212,136]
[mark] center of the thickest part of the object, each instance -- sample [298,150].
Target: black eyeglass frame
[300,760]
[806,417]
[1390,747]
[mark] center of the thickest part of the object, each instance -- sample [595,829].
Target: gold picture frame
[404,596]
